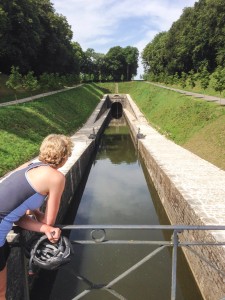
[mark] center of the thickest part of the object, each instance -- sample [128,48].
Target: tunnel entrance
[116,110]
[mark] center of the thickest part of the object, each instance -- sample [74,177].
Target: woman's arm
[56,187]
[28,223]
[37,214]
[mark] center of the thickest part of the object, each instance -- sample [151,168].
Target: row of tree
[194,41]
[30,83]
[36,39]
[117,64]
[203,78]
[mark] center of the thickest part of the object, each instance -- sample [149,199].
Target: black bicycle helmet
[50,256]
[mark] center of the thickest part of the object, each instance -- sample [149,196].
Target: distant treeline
[34,38]
[194,44]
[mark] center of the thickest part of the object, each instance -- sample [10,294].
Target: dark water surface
[117,191]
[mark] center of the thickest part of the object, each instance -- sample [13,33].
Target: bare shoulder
[55,175]
[45,175]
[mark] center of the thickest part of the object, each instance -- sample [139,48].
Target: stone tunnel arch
[116,110]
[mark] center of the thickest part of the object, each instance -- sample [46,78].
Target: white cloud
[104,24]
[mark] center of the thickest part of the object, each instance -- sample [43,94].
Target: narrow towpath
[215,99]
[116,88]
[37,96]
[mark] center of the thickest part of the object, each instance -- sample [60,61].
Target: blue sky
[103,24]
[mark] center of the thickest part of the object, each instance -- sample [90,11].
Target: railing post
[174,265]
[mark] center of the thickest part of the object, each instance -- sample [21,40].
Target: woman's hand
[52,233]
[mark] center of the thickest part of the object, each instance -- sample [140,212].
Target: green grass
[7,94]
[23,126]
[107,87]
[198,89]
[192,123]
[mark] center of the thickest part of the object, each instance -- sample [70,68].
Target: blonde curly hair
[55,148]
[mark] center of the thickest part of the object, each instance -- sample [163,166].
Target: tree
[34,37]
[183,79]
[131,58]
[219,80]
[93,63]
[204,76]
[176,78]
[196,37]
[15,80]
[153,55]
[115,62]
[78,55]
[191,78]
[56,54]
[30,82]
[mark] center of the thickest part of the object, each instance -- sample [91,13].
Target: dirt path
[37,96]
[215,99]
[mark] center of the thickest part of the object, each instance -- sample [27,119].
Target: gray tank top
[15,188]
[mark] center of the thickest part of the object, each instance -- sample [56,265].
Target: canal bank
[85,141]
[191,190]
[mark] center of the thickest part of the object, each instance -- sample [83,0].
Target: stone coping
[201,183]
[81,141]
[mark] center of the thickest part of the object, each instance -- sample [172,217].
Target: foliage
[30,82]
[15,80]
[183,79]
[116,64]
[34,37]
[37,39]
[204,76]
[131,59]
[219,79]
[197,37]
[153,55]
[191,79]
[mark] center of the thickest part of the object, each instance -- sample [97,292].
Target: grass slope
[195,124]
[192,123]
[23,126]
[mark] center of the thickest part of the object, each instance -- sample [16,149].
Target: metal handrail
[175,243]
[141,227]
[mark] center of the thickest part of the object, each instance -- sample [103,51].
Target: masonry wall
[19,283]
[192,192]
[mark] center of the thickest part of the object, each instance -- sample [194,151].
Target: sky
[103,24]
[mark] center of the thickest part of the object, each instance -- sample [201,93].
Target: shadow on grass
[104,90]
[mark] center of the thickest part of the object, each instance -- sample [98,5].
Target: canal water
[117,191]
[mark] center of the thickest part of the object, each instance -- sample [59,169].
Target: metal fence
[98,235]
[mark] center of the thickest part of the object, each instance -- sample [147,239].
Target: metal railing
[98,236]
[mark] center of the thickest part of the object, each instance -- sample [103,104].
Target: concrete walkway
[37,96]
[202,183]
[215,99]
[192,192]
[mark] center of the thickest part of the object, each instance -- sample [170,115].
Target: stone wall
[18,281]
[192,192]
